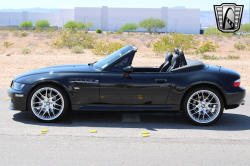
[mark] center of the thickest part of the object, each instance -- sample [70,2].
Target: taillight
[237,83]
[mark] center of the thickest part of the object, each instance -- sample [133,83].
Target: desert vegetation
[30,49]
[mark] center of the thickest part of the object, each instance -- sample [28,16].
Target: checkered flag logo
[228,17]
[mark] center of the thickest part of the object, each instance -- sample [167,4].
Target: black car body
[116,86]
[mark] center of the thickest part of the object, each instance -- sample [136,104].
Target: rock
[8,55]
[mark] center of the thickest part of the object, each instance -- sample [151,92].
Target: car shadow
[228,122]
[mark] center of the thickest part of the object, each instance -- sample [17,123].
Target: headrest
[175,61]
[176,51]
[182,58]
[169,57]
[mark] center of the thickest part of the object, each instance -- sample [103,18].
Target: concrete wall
[178,20]
[51,17]
[86,14]
[184,20]
[65,15]
[120,16]
[10,18]
[15,18]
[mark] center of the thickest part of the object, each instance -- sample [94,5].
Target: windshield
[112,57]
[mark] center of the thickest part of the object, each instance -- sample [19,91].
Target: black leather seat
[167,62]
[183,61]
[175,63]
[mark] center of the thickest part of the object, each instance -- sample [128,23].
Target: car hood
[60,69]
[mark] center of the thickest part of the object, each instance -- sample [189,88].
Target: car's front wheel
[47,103]
[203,106]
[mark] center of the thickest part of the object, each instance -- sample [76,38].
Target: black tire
[191,115]
[65,104]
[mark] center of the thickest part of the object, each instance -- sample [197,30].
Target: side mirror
[127,70]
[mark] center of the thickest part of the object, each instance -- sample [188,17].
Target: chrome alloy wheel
[203,106]
[47,103]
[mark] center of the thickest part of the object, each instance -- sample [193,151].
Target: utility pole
[9,22]
[63,22]
[175,25]
[84,20]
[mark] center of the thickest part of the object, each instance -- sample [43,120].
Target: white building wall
[53,18]
[178,20]
[117,17]
[86,14]
[183,20]
[10,18]
[65,15]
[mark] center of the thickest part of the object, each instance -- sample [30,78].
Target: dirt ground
[43,55]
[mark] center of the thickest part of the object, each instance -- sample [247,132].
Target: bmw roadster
[201,91]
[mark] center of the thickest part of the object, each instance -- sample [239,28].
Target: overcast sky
[70,4]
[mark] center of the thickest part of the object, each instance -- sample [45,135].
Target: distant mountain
[207,18]
[181,7]
[53,10]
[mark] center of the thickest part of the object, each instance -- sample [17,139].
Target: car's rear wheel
[47,103]
[203,106]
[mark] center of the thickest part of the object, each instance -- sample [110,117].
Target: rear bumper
[236,98]
[18,98]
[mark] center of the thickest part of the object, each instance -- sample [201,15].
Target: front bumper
[235,97]
[18,98]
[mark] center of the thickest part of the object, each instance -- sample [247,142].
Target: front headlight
[17,86]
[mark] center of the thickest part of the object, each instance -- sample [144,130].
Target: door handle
[160,80]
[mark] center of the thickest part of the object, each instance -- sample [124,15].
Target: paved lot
[173,140]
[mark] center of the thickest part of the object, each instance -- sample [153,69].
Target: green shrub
[99,30]
[240,46]
[106,47]
[233,57]
[77,49]
[7,44]
[50,30]
[152,25]
[212,30]
[119,32]
[71,25]
[26,24]
[129,27]
[23,34]
[210,57]
[70,38]
[50,35]
[42,24]
[245,27]
[207,46]
[148,45]
[15,33]
[38,30]
[174,40]
[25,51]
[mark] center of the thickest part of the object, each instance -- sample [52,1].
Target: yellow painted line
[145,132]
[42,133]
[93,131]
[6,99]
[45,130]
[140,97]
[145,135]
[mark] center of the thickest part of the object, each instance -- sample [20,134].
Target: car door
[141,88]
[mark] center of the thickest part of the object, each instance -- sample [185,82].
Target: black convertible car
[201,91]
